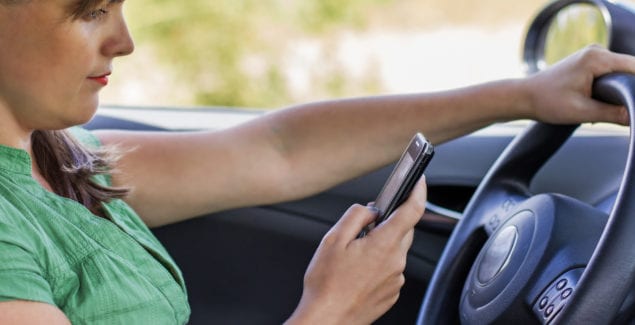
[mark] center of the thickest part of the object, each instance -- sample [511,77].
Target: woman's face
[52,65]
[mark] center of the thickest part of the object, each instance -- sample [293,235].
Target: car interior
[526,222]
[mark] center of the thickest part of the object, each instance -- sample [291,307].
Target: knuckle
[357,208]
[398,265]
[594,57]
[394,298]
[330,238]
[592,51]
[401,265]
[588,54]
[401,280]
[353,208]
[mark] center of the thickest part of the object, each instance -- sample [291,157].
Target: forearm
[334,140]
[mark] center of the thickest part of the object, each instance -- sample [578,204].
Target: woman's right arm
[28,312]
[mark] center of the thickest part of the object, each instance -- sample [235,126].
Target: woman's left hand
[562,93]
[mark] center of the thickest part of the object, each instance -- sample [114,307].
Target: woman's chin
[85,114]
[80,118]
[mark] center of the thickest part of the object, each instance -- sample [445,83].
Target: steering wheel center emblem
[498,254]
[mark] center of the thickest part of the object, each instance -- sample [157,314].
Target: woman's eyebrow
[78,8]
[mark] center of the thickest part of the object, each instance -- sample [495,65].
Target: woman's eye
[96,14]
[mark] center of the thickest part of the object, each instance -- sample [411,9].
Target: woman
[73,251]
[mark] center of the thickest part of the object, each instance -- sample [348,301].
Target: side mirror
[566,26]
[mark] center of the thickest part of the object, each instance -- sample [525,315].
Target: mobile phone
[402,179]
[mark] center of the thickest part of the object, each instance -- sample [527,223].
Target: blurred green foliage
[236,52]
[209,44]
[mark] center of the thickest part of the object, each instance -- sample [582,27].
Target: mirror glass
[573,28]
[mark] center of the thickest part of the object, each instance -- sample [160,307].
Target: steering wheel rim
[609,274]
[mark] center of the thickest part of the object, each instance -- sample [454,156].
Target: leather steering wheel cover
[610,273]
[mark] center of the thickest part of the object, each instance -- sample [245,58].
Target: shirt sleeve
[21,277]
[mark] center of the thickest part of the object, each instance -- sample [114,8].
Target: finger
[352,222]
[406,216]
[604,112]
[400,254]
[603,61]
[622,63]
[406,242]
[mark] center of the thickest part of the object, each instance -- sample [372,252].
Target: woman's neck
[12,132]
[15,136]
[35,171]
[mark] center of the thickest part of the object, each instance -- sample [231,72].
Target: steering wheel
[543,258]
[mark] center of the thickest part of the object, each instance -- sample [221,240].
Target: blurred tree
[236,52]
[232,52]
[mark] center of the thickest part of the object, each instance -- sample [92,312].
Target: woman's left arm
[295,152]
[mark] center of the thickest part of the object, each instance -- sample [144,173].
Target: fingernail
[373,209]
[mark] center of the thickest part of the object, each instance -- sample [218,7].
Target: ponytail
[69,167]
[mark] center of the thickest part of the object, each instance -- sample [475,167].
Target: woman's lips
[103,79]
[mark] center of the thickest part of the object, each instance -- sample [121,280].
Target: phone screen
[394,182]
[404,176]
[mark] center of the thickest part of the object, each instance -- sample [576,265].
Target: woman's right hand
[354,280]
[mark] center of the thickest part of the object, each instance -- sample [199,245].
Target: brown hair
[69,167]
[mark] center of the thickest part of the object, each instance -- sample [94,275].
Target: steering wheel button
[566,293]
[549,310]
[561,284]
[543,302]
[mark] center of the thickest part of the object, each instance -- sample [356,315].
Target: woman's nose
[119,41]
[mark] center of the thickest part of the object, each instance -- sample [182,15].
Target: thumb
[408,214]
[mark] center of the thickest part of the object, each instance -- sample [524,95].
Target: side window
[272,53]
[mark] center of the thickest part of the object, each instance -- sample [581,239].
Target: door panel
[245,266]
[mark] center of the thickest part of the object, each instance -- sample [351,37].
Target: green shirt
[97,271]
